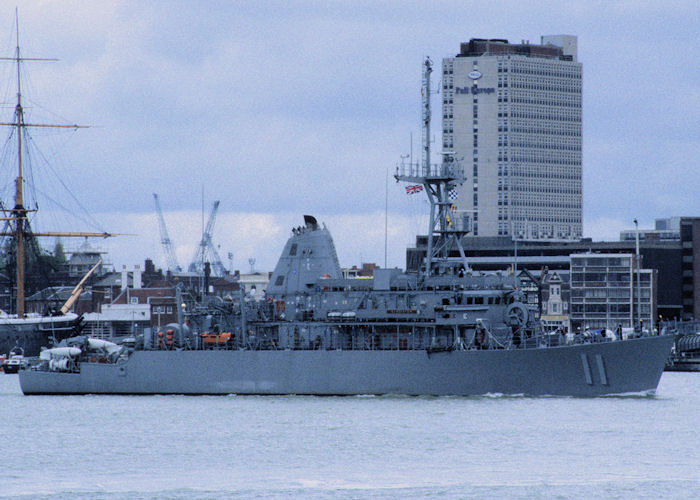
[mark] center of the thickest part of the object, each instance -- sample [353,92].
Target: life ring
[269,300]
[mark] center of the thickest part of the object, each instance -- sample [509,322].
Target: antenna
[446,227]
[251,261]
[425,96]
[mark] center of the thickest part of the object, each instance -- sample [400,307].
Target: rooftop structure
[552,47]
[664,229]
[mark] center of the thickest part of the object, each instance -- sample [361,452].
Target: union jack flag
[416,188]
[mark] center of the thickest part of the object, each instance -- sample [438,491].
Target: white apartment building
[511,114]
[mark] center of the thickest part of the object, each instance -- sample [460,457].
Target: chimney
[125,278]
[137,276]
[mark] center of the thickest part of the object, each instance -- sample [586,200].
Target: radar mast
[447,226]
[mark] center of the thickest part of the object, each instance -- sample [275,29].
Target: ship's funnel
[311,222]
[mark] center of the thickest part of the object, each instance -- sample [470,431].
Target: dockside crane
[206,251]
[165,240]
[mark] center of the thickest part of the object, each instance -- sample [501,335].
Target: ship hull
[31,334]
[632,366]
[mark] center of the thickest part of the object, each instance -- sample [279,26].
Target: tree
[59,254]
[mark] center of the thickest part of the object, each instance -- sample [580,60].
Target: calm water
[115,447]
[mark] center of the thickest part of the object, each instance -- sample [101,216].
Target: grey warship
[445,330]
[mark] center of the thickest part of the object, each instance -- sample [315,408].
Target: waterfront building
[84,258]
[555,299]
[255,280]
[690,266]
[366,270]
[604,292]
[664,229]
[511,114]
[117,320]
[52,298]
[683,231]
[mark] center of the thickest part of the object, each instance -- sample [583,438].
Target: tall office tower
[511,114]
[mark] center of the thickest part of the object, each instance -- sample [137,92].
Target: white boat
[15,362]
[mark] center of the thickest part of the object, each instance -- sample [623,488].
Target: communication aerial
[440,181]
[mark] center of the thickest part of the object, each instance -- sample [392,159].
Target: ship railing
[418,171]
[587,338]
[542,337]
[676,327]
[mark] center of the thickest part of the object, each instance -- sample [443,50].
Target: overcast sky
[280,109]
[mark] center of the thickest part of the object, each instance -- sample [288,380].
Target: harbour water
[115,447]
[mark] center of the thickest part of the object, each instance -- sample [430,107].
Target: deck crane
[206,251]
[173,266]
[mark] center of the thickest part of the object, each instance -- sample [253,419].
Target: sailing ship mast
[18,215]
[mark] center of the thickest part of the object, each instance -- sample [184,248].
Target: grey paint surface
[614,367]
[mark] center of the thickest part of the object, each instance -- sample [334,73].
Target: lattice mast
[446,226]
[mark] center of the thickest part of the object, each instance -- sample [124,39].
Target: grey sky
[285,108]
